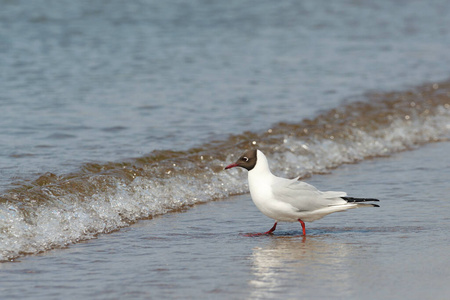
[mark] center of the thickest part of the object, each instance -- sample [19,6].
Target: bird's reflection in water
[300,265]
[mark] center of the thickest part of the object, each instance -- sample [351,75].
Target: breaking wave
[56,210]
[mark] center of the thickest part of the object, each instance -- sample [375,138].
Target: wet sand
[398,251]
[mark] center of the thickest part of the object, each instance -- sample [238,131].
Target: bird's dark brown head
[246,161]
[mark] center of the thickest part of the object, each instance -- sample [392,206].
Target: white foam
[73,217]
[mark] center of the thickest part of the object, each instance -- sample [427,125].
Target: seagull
[290,200]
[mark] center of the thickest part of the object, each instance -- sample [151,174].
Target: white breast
[261,181]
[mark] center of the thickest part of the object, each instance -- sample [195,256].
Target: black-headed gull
[290,200]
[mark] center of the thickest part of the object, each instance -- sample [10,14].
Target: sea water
[112,112]
[397,251]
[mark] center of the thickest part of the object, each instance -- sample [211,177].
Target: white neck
[262,165]
[259,181]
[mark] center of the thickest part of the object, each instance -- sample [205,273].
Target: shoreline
[202,252]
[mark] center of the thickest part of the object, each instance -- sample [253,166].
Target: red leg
[303,226]
[268,232]
[272,229]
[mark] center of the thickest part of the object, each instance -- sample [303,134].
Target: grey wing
[304,196]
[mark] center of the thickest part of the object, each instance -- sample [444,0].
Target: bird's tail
[358,200]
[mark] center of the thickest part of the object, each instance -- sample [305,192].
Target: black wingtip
[352,199]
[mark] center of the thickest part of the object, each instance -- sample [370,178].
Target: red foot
[264,233]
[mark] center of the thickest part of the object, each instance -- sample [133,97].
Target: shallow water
[106,107]
[57,210]
[103,81]
[116,114]
[399,250]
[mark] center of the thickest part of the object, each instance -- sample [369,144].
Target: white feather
[289,199]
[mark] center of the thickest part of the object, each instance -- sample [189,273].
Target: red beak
[231,166]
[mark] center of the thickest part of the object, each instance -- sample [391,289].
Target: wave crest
[54,211]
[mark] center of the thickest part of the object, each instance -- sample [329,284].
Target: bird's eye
[245,159]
